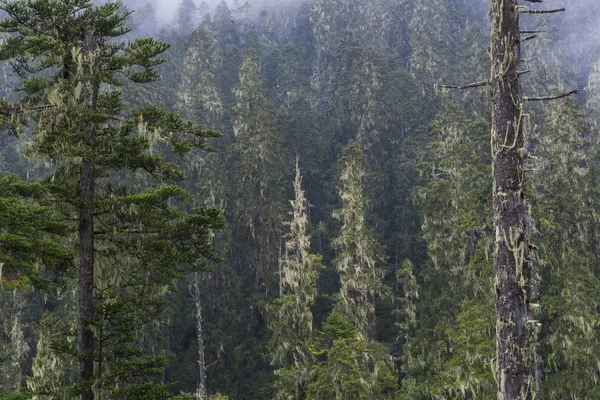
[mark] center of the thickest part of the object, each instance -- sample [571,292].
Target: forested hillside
[287,199]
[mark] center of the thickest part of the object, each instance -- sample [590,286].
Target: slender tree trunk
[511,258]
[201,363]
[18,344]
[538,376]
[85,283]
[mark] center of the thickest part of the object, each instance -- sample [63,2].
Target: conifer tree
[349,366]
[569,287]
[93,146]
[458,317]
[511,250]
[342,373]
[358,255]
[186,20]
[259,160]
[330,22]
[406,313]
[593,96]
[144,19]
[342,103]
[32,256]
[304,39]
[228,55]
[292,336]
[200,100]
[257,211]
[515,328]
[31,233]
[435,28]
[13,346]
[51,371]
[199,96]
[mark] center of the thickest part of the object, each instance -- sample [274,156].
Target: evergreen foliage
[569,310]
[456,345]
[394,197]
[133,239]
[359,256]
[30,248]
[292,336]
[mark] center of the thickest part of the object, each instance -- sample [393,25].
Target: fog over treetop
[579,25]
[166,10]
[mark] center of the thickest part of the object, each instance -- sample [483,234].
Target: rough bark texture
[201,363]
[85,283]
[511,258]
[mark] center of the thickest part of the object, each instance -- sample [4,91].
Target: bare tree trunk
[511,252]
[18,344]
[538,376]
[201,363]
[85,282]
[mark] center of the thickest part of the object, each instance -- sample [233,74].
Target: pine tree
[200,100]
[258,154]
[186,20]
[256,213]
[569,285]
[51,371]
[341,373]
[199,97]
[406,305]
[342,102]
[292,336]
[435,28]
[31,233]
[228,55]
[93,146]
[330,19]
[32,256]
[456,322]
[593,95]
[358,255]
[304,39]
[348,366]
[144,20]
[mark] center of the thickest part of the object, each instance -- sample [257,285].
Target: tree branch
[527,38]
[535,1]
[214,362]
[521,73]
[526,32]
[467,86]
[560,96]
[525,10]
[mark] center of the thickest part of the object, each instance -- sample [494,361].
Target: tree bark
[201,362]
[511,252]
[85,282]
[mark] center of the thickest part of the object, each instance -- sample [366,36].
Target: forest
[300,199]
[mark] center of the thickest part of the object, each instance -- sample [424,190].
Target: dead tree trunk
[511,252]
[201,363]
[85,282]
[515,331]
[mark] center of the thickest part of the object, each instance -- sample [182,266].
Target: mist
[166,10]
[578,28]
